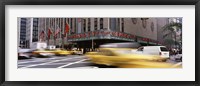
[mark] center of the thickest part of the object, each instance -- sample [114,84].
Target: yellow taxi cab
[150,64]
[125,58]
[60,51]
[43,52]
[76,51]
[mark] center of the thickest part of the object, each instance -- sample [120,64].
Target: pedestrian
[84,50]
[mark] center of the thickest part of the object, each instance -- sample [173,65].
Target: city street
[116,40]
[70,61]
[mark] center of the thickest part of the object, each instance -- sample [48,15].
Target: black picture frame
[98,2]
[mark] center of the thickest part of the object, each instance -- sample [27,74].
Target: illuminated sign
[109,35]
[101,34]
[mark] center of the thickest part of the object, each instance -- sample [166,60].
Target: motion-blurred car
[75,51]
[150,64]
[178,57]
[24,53]
[43,53]
[60,51]
[118,56]
[124,57]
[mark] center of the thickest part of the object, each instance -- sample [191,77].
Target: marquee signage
[109,34]
[101,34]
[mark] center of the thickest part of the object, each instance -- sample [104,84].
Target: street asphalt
[70,61]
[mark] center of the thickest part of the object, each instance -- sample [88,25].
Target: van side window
[163,49]
[140,49]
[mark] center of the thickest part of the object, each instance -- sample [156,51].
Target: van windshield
[163,49]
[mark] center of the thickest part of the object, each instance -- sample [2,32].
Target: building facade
[28,31]
[22,32]
[147,31]
[35,36]
[51,30]
[92,32]
[31,31]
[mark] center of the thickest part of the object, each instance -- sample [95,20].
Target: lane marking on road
[72,63]
[56,64]
[46,63]
[87,67]
[31,61]
[37,60]
[85,62]
[43,59]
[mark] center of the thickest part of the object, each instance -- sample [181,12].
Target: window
[113,24]
[95,23]
[163,49]
[101,23]
[34,39]
[74,30]
[122,26]
[89,24]
[152,26]
[51,22]
[71,25]
[140,49]
[118,24]
[84,25]
[59,22]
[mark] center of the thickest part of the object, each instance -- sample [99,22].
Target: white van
[154,50]
[38,45]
